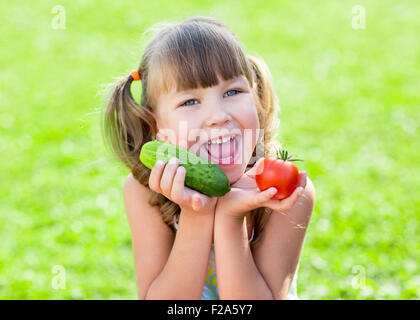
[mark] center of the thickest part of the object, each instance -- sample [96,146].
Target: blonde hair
[190,53]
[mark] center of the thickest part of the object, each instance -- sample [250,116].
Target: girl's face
[193,118]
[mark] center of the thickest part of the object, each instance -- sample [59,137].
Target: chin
[234,174]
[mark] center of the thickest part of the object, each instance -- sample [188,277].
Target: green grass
[349,107]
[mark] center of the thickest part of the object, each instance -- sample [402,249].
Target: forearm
[237,274]
[185,272]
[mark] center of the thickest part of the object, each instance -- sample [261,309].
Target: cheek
[252,119]
[248,120]
[178,129]
[187,134]
[246,114]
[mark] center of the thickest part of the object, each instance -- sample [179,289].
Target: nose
[218,116]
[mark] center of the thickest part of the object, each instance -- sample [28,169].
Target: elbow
[141,295]
[282,295]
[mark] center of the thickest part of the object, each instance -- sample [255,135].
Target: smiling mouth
[225,153]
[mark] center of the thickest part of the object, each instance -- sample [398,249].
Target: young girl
[196,75]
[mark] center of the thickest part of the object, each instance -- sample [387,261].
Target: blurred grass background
[349,107]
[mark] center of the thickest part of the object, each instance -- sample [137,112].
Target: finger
[168,176]
[286,203]
[264,196]
[302,179]
[177,191]
[256,169]
[155,176]
[197,201]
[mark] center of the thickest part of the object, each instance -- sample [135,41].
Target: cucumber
[201,174]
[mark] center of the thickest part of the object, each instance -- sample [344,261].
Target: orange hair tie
[135,75]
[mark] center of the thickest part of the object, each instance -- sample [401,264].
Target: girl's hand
[245,195]
[169,180]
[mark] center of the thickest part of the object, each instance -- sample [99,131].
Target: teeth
[218,140]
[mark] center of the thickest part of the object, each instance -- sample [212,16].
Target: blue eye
[233,90]
[186,102]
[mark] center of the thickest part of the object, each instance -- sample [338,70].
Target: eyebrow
[189,91]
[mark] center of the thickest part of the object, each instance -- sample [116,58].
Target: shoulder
[142,217]
[134,191]
[135,196]
[132,185]
[306,202]
[136,200]
[301,211]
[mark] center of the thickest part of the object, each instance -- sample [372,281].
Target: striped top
[210,291]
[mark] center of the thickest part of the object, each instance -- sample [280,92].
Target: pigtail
[127,126]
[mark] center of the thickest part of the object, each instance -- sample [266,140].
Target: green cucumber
[201,174]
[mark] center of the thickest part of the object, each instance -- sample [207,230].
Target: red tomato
[279,173]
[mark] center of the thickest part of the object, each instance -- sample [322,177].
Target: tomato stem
[283,155]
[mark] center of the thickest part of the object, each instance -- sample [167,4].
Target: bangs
[194,55]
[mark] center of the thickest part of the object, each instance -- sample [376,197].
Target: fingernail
[173,160]
[197,203]
[180,169]
[159,163]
